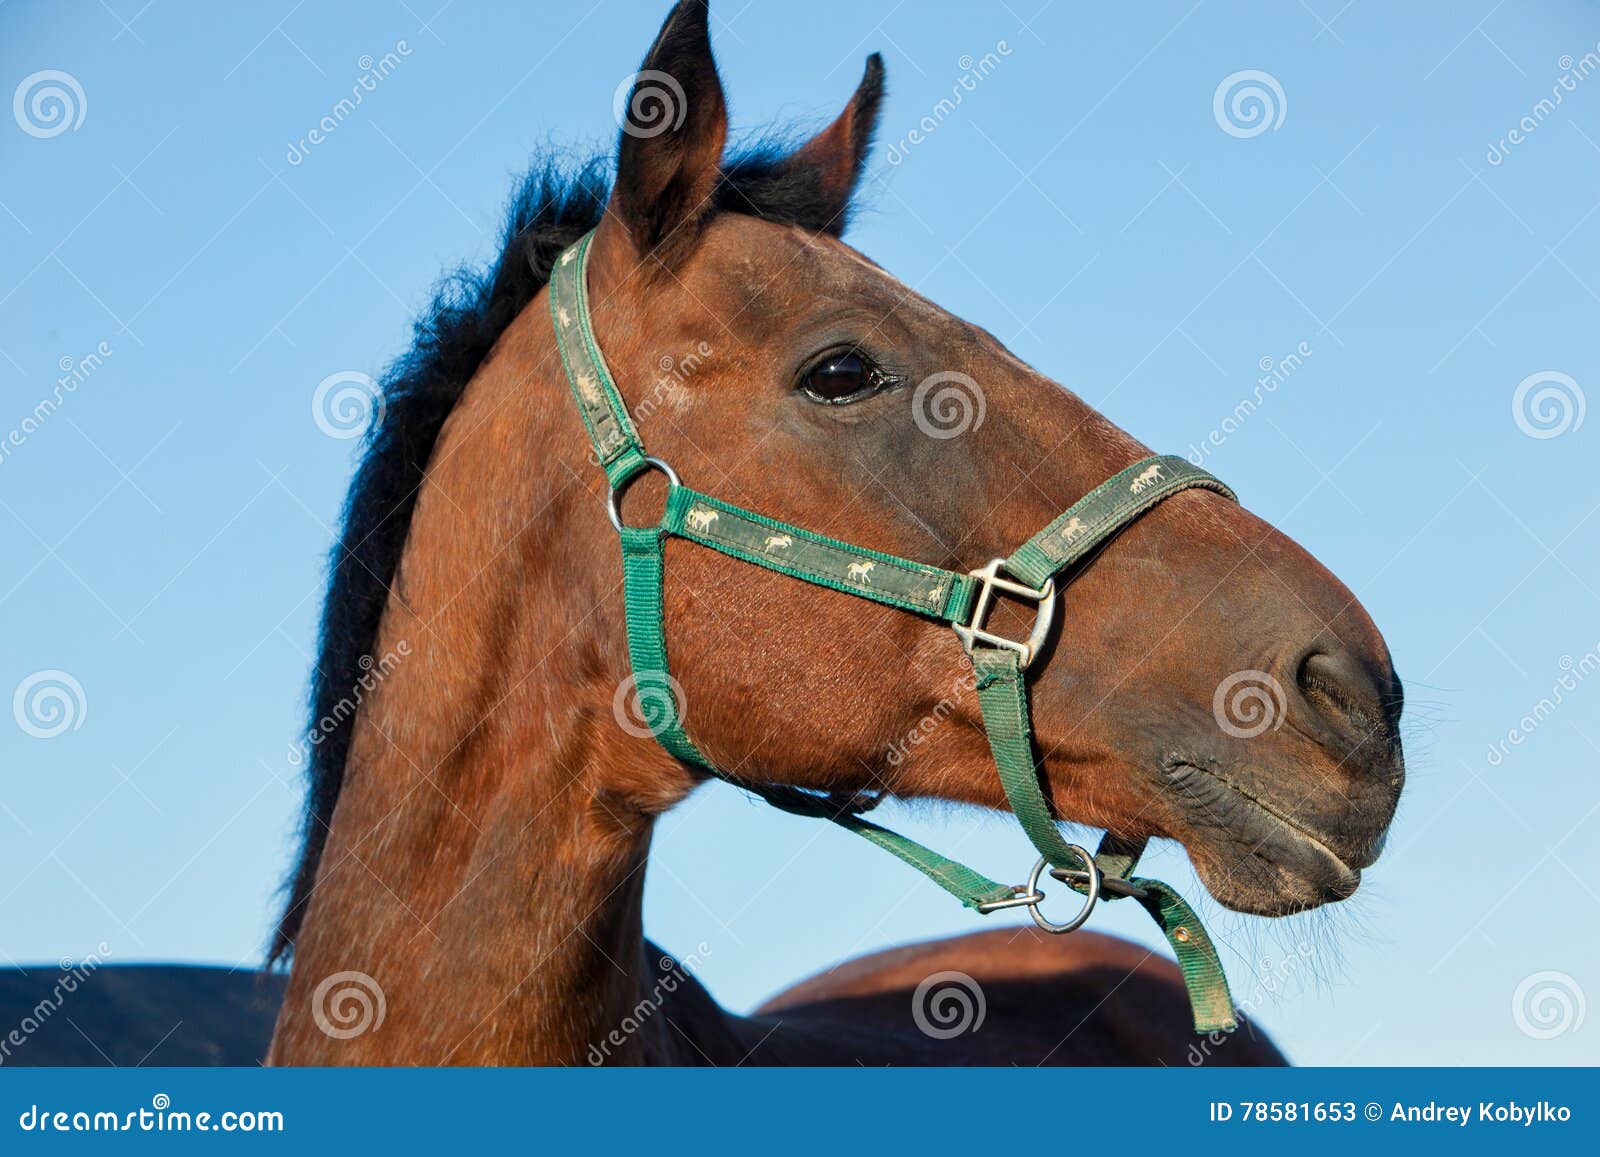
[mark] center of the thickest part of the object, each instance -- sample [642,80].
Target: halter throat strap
[960,600]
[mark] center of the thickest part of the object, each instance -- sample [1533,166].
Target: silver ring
[1091,898]
[613,511]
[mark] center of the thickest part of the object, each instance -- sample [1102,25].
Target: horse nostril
[1344,692]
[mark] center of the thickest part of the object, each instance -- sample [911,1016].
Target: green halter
[962,600]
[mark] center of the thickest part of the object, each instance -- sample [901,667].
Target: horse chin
[1255,857]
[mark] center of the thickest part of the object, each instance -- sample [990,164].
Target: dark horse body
[478,831]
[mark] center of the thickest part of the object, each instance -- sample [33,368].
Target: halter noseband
[961,600]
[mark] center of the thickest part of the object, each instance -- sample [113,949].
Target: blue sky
[166,523]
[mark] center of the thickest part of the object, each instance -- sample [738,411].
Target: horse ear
[674,126]
[835,157]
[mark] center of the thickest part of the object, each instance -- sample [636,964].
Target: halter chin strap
[961,600]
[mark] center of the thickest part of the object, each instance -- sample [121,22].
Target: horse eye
[839,378]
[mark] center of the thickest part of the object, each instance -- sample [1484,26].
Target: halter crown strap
[960,600]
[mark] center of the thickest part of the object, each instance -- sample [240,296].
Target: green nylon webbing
[1105,510]
[1003,698]
[896,582]
[792,550]
[656,696]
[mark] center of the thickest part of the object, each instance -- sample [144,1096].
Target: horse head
[1211,682]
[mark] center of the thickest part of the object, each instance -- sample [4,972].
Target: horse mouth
[1254,857]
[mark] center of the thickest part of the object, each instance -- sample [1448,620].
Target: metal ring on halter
[1090,898]
[614,498]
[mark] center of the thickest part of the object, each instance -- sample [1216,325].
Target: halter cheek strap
[961,600]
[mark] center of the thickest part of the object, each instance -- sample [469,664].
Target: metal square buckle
[1044,615]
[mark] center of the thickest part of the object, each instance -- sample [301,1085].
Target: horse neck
[485,863]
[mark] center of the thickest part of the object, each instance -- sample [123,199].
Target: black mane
[551,209]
